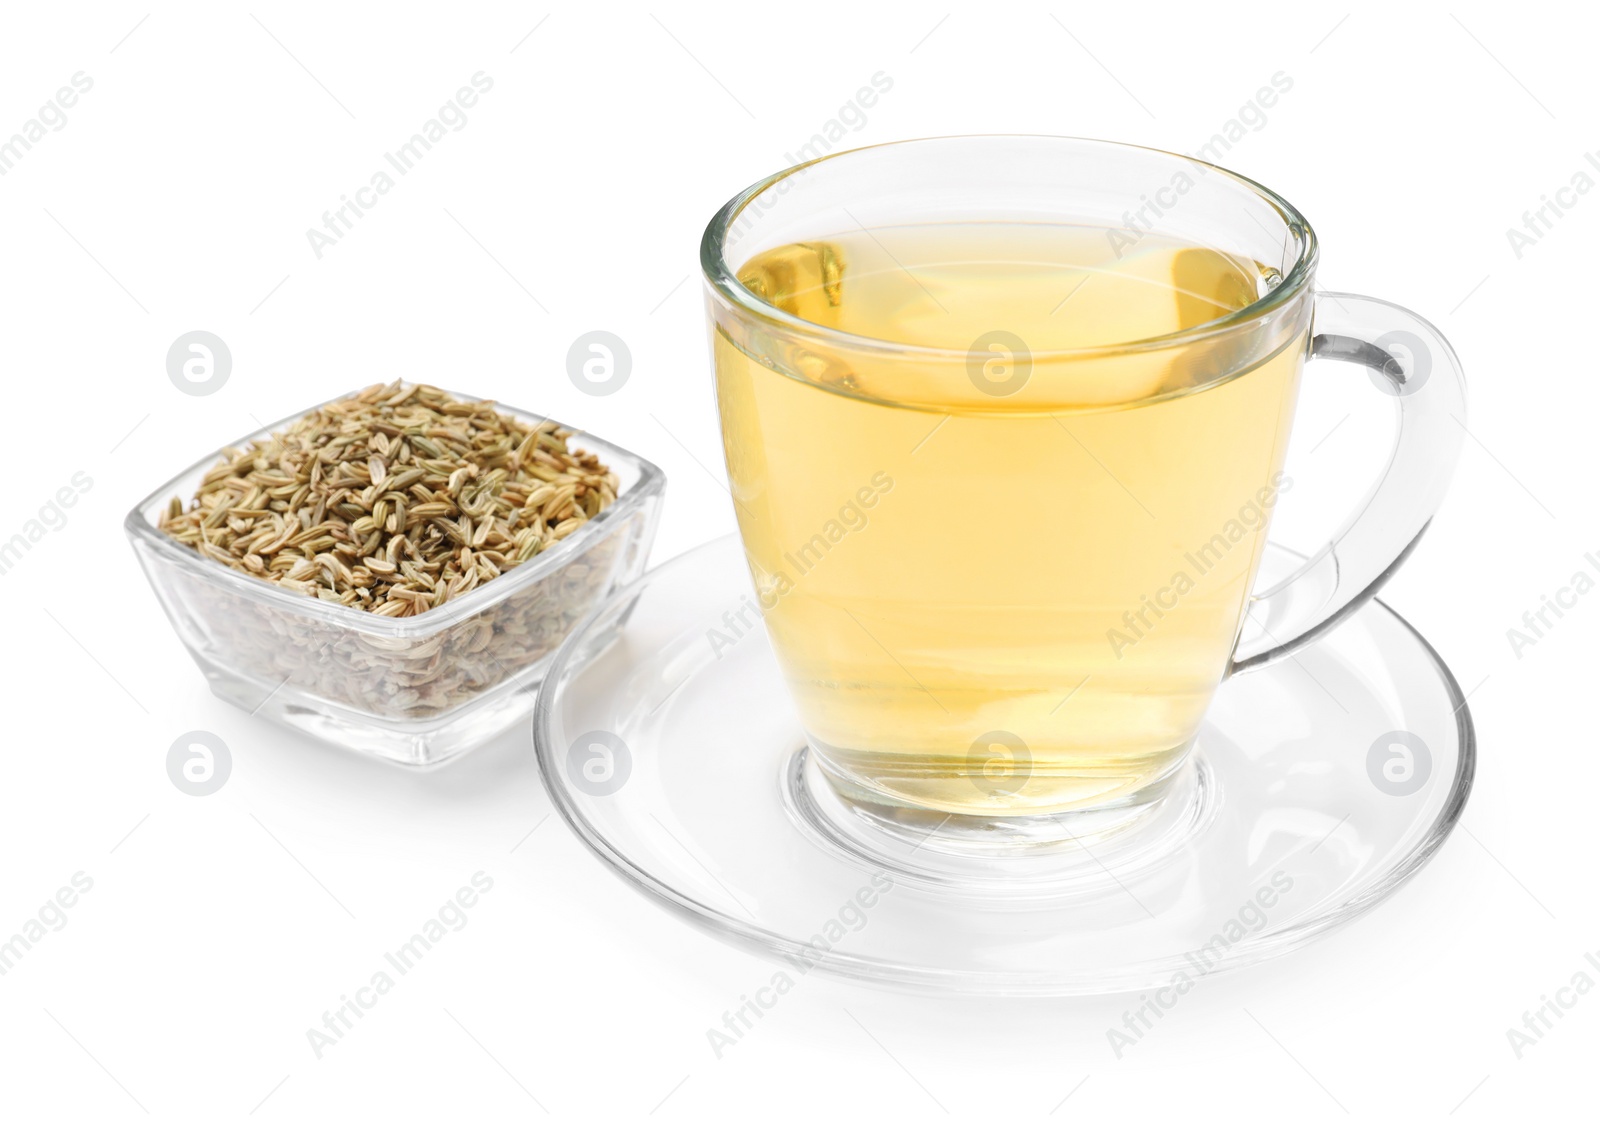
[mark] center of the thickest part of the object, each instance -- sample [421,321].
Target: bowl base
[423,743]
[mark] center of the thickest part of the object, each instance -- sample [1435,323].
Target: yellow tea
[1003,539]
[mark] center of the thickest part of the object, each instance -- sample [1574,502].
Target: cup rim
[720,277]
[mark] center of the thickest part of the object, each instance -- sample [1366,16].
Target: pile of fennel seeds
[393,500]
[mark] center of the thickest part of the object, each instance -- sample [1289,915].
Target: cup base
[997,832]
[997,856]
[845,813]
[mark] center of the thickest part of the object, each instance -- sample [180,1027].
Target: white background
[219,929]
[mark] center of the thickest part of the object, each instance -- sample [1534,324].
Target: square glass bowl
[417,690]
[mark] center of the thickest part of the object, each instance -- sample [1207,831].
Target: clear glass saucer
[666,738]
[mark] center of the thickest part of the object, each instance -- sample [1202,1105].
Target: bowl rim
[144,534]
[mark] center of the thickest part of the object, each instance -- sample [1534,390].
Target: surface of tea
[1004,559]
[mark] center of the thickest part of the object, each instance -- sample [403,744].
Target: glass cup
[1005,421]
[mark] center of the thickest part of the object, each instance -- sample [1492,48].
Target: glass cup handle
[1407,359]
